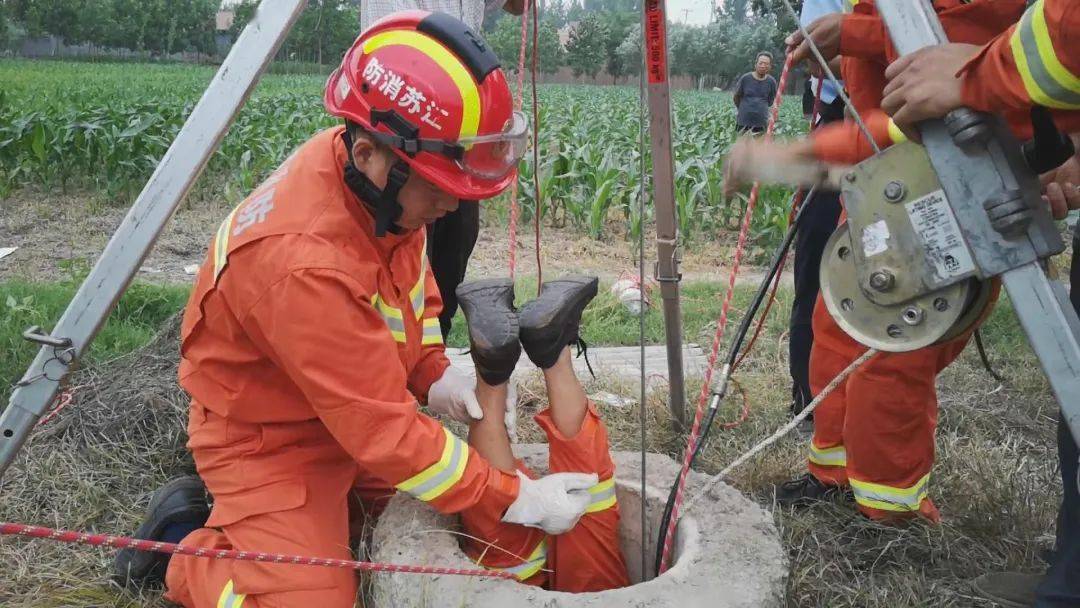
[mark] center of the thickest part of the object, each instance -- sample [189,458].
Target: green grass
[145,307]
[138,316]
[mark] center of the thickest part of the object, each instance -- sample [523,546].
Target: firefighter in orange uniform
[1035,63]
[875,433]
[312,333]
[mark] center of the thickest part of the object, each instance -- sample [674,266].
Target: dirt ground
[57,230]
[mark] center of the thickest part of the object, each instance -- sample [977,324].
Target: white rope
[784,430]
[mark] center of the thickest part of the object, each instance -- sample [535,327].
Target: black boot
[551,322]
[488,306]
[807,490]
[181,504]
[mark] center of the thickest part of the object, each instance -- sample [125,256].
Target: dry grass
[996,481]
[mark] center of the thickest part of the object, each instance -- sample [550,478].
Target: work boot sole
[819,495]
[488,306]
[552,321]
[181,500]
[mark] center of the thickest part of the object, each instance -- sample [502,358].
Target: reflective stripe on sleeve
[886,498]
[392,316]
[432,332]
[435,480]
[228,599]
[828,457]
[896,136]
[602,496]
[1046,80]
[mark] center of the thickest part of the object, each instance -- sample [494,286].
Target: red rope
[536,146]
[518,98]
[721,324]
[121,542]
[796,203]
[62,401]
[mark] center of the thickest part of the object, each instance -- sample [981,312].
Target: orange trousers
[282,488]
[875,431]
[588,557]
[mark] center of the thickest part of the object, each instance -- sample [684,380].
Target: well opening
[630,541]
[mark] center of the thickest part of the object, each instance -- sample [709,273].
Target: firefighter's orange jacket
[1035,62]
[301,313]
[867,51]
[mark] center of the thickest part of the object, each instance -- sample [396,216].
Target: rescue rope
[721,324]
[784,430]
[122,542]
[536,147]
[518,98]
[642,302]
[799,200]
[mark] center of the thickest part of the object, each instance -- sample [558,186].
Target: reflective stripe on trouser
[436,479]
[602,496]
[887,498]
[1046,80]
[828,457]
[229,599]
[532,564]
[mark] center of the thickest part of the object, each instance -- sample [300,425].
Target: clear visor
[495,156]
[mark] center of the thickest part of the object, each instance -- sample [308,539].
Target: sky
[692,12]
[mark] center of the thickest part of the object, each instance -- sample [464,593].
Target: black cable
[985,358]
[733,353]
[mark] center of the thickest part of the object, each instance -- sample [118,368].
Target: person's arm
[843,143]
[773,90]
[319,326]
[738,90]
[1036,62]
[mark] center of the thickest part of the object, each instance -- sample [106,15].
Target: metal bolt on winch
[895,191]
[913,315]
[882,280]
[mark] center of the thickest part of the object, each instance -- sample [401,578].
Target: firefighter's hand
[553,503]
[754,158]
[1061,188]
[825,32]
[925,84]
[454,395]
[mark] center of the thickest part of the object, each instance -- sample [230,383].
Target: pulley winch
[897,275]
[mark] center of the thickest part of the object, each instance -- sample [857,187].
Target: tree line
[602,37]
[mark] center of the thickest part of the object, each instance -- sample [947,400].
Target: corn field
[103,127]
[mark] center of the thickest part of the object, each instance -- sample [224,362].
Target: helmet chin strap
[382,202]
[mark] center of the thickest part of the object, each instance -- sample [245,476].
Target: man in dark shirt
[754,95]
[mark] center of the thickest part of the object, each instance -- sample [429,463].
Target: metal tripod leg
[667,226]
[171,181]
[1053,330]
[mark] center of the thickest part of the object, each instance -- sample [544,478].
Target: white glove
[454,395]
[553,503]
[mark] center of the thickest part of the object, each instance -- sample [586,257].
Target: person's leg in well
[493,337]
[588,557]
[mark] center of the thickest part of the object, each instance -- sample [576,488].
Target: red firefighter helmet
[432,90]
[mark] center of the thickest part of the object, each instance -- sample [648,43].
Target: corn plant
[104,127]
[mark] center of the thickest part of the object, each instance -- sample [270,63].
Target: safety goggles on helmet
[486,156]
[494,156]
